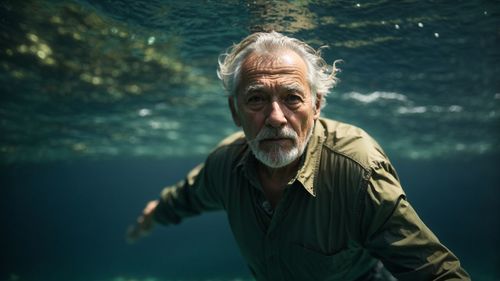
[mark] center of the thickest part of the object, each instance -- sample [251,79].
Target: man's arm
[203,189]
[187,198]
[393,233]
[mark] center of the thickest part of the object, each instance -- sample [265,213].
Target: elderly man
[307,198]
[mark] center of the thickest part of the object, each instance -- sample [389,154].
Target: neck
[274,180]
[279,174]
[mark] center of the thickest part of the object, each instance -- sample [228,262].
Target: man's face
[274,106]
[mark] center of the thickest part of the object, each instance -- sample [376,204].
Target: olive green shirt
[344,211]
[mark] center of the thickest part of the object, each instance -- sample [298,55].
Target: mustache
[276,133]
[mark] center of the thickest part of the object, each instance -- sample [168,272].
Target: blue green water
[102,103]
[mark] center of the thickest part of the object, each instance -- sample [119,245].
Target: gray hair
[321,77]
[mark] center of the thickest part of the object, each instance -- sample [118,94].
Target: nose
[276,117]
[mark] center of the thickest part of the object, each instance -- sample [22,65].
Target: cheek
[306,122]
[251,123]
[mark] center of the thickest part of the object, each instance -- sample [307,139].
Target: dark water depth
[66,221]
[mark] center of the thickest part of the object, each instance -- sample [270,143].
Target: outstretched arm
[203,189]
[188,197]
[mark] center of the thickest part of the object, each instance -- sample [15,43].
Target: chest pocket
[306,264]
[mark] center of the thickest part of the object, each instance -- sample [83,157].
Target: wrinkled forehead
[276,68]
[273,60]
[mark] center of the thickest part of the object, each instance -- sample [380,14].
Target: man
[307,198]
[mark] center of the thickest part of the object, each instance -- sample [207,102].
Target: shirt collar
[309,164]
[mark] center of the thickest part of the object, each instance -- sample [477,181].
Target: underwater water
[102,103]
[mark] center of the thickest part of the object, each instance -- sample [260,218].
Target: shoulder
[370,182]
[233,140]
[229,151]
[362,155]
[352,143]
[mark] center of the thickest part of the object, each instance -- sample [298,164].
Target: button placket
[272,259]
[272,238]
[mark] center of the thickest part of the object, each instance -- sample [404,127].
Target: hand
[144,224]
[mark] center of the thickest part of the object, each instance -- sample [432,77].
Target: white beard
[278,156]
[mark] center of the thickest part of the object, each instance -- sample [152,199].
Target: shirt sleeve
[393,233]
[189,197]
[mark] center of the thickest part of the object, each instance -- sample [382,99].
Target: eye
[293,100]
[256,101]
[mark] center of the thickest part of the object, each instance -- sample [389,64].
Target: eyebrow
[260,87]
[253,88]
[294,87]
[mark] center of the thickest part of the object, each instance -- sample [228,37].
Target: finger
[140,220]
[146,224]
[133,233]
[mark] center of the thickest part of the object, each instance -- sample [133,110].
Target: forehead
[279,65]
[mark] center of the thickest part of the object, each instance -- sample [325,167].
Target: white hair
[320,76]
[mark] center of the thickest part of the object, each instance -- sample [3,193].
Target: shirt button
[267,207]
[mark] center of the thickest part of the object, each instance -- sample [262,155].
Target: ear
[317,106]
[234,112]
